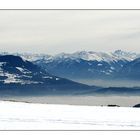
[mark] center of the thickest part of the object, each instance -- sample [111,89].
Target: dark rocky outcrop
[137,105]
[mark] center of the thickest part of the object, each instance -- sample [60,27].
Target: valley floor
[29,116]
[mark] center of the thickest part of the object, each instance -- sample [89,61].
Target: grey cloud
[54,31]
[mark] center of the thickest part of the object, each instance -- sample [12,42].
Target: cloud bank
[55,31]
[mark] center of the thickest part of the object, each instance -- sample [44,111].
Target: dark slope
[21,77]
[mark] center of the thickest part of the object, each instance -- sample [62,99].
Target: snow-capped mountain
[122,55]
[84,64]
[21,76]
[29,56]
[14,69]
[87,65]
[33,57]
[84,55]
[98,56]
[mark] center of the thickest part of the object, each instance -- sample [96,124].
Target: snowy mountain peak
[129,56]
[98,56]
[119,52]
[89,56]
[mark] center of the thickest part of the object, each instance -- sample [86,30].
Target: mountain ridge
[86,64]
[85,55]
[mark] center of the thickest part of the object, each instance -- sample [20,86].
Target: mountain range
[93,65]
[88,64]
[39,77]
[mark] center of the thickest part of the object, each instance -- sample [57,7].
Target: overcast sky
[55,31]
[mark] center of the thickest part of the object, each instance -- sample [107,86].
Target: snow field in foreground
[28,116]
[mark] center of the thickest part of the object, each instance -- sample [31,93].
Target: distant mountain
[131,70]
[20,77]
[84,55]
[88,64]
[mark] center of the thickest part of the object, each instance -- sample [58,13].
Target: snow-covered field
[28,116]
